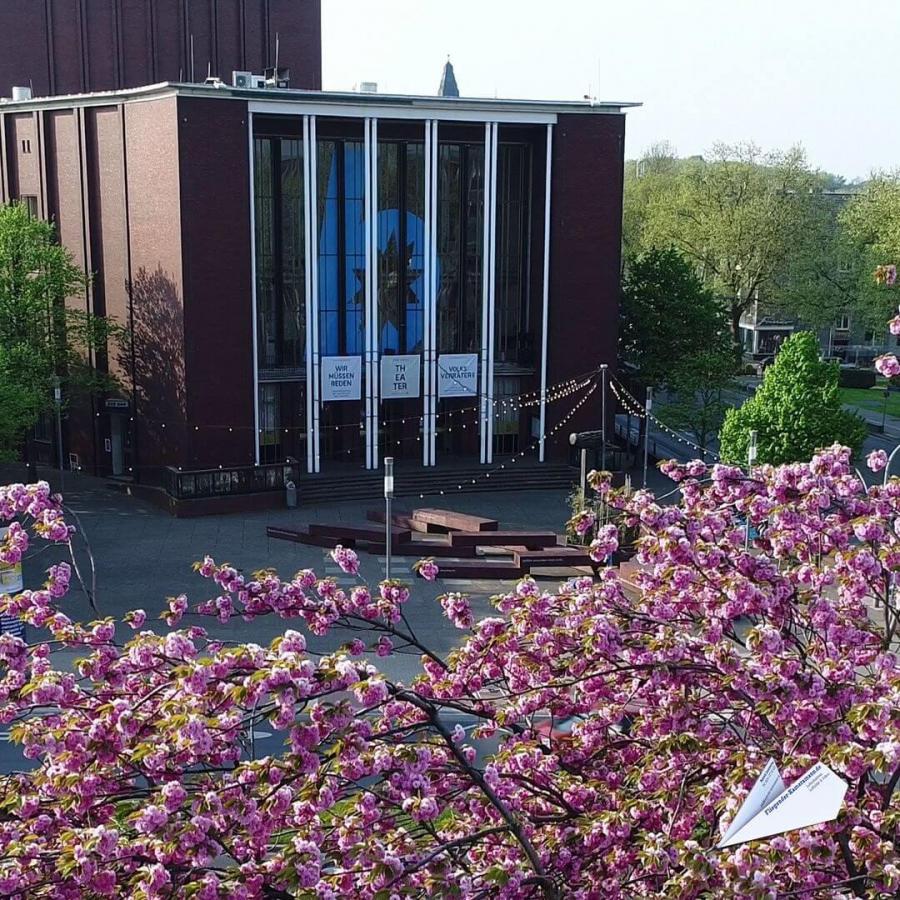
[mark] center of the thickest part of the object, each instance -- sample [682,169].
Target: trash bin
[290,490]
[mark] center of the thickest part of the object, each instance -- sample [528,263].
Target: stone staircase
[415,483]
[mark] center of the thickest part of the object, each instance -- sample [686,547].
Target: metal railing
[233,480]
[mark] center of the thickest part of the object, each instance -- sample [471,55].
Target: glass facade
[280,245]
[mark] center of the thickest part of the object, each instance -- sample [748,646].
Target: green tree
[871,229]
[743,217]
[796,410]
[697,402]
[42,336]
[667,316]
[645,178]
[674,334]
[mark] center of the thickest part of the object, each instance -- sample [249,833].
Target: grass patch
[872,399]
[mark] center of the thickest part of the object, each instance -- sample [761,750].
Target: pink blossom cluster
[427,569]
[457,609]
[346,559]
[583,522]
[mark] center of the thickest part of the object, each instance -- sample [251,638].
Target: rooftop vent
[278,77]
[368,87]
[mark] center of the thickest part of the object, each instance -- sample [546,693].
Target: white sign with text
[771,808]
[341,377]
[458,375]
[400,377]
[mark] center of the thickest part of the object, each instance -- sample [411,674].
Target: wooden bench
[447,520]
[298,536]
[400,519]
[478,568]
[556,557]
[343,533]
[532,540]
[424,549]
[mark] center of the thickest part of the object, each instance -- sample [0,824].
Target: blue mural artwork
[352,305]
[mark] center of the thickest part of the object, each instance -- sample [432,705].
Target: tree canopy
[667,317]
[43,333]
[796,410]
[752,223]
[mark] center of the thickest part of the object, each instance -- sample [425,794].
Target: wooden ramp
[532,540]
[469,546]
[443,520]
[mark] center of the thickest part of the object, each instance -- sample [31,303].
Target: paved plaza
[143,555]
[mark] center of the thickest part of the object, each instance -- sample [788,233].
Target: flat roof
[404,104]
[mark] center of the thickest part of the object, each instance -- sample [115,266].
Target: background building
[77,46]
[329,277]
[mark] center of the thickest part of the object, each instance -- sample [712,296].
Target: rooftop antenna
[277,47]
[208,69]
[192,58]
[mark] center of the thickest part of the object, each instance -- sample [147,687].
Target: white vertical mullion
[545,311]
[489,442]
[426,304]
[308,149]
[367,306]
[485,293]
[435,181]
[314,287]
[253,298]
[376,368]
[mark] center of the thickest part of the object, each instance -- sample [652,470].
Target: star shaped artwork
[390,273]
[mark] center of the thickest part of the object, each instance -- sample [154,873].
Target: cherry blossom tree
[626,716]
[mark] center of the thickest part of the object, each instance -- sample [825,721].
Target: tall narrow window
[460,249]
[269,423]
[515,343]
[280,257]
[342,247]
[30,202]
[401,246]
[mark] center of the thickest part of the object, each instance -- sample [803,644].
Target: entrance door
[117,444]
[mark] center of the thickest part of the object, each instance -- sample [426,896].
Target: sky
[821,73]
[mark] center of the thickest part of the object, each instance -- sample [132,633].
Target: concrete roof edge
[289,95]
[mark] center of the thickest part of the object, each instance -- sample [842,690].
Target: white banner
[458,375]
[341,377]
[400,377]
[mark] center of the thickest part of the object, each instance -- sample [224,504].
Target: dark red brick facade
[153,198]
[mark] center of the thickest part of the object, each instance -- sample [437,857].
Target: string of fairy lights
[562,391]
[533,446]
[633,407]
[507,404]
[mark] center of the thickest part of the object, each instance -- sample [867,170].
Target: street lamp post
[647,407]
[57,400]
[583,479]
[603,368]
[751,462]
[388,496]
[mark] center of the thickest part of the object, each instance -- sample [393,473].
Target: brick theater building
[312,278]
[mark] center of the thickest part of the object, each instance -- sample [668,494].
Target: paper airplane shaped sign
[771,808]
